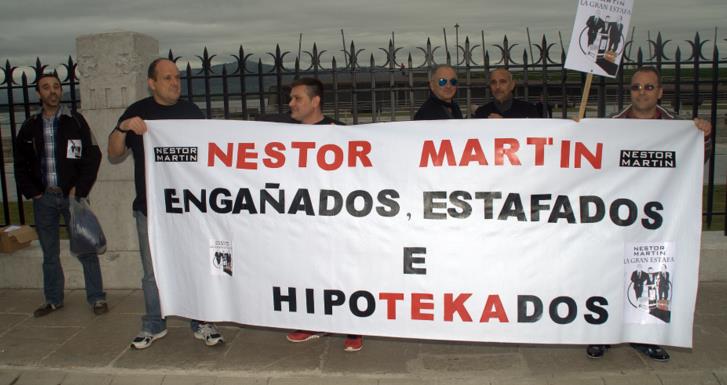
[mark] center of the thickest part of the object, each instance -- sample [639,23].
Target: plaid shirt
[48,163]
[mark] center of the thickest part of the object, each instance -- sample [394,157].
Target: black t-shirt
[148,109]
[327,120]
[518,110]
[286,118]
[278,118]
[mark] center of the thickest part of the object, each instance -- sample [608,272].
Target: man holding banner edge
[163,81]
[646,91]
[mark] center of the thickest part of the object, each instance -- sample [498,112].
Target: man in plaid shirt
[57,159]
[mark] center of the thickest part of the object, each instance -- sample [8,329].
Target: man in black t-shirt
[163,81]
[306,102]
[505,105]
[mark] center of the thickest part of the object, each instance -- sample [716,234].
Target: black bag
[84,229]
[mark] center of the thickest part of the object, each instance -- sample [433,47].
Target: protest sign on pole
[597,42]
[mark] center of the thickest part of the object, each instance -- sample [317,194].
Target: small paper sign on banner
[598,38]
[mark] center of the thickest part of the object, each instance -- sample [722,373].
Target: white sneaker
[208,333]
[144,339]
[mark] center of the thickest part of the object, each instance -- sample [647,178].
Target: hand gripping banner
[524,231]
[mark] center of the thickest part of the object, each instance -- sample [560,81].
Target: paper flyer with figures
[599,36]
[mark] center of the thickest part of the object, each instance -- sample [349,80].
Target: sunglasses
[443,82]
[639,87]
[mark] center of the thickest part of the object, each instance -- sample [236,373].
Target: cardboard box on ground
[16,237]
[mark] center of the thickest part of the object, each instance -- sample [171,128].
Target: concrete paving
[74,347]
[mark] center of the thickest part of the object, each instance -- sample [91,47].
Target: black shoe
[46,309]
[596,351]
[100,307]
[655,352]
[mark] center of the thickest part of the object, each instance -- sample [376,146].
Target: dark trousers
[48,210]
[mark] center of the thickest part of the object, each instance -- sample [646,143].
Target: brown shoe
[46,309]
[100,307]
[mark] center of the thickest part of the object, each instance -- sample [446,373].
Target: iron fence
[362,90]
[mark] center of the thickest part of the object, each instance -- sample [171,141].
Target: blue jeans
[47,211]
[152,320]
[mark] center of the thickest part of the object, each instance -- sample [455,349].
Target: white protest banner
[524,231]
[599,36]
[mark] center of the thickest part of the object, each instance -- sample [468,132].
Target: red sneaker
[303,336]
[353,343]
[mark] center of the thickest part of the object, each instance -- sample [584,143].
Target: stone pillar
[112,74]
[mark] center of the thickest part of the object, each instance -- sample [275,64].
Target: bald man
[504,106]
[164,103]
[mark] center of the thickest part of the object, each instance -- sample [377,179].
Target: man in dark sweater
[504,105]
[441,104]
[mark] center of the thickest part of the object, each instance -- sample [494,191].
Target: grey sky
[30,28]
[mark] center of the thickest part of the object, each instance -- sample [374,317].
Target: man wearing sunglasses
[645,94]
[441,104]
[504,106]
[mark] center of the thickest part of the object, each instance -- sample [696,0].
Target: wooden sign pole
[584,99]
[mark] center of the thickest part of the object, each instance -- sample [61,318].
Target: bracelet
[117,128]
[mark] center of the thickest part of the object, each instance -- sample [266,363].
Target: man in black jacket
[57,158]
[441,104]
[505,106]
